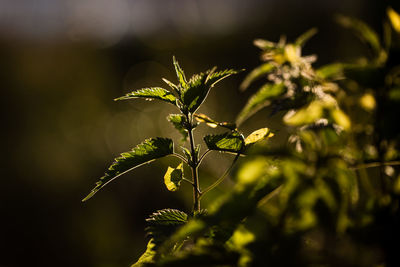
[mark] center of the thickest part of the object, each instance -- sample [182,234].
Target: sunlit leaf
[151,94]
[302,39]
[394,19]
[367,101]
[163,223]
[255,74]
[179,121]
[173,177]
[199,85]
[341,118]
[259,100]
[212,123]
[172,85]
[329,71]
[180,75]
[306,115]
[230,142]
[147,256]
[145,152]
[258,135]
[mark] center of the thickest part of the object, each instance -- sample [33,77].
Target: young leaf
[151,94]
[199,85]
[163,223]
[145,152]
[172,85]
[173,177]
[394,19]
[147,256]
[260,100]
[364,32]
[212,123]
[180,74]
[179,120]
[258,135]
[230,142]
[302,39]
[306,115]
[255,74]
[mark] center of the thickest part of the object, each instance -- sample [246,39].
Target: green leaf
[163,223]
[180,74]
[179,121]
[145,152]
[151,94]
[306,115]
[258,135]
[172,85]
[147,256]
[230,142]
[362,30]
[259,100]
[199,85]
[173,177]
[329,71]
[258,72]
[302,39]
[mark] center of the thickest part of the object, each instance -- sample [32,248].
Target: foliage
[326,196]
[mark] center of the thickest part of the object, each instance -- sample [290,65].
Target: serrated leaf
[258,135]
[173,177]
[145,152]
[163,223]
[147,256]
[199,85]
[258,72]
[230,142]
[302,39]
[259,100]
[362,30]
[151,94]
[179,121]
[180,74]
[212,123]
[172,85]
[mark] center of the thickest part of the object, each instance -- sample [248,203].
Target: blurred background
[63,62]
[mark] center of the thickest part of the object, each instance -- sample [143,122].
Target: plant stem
[194,166]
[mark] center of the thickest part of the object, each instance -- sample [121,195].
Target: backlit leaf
[230,142]
[179,121]
[151,94]
[173,177]
[147,256]
[394,19]
[259,100]
[145,152]
[302,39]
[258,72]
[180,75]
[306,115]
[212,123]
[258,135]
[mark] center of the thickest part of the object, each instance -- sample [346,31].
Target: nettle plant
[327,195]
[187,96]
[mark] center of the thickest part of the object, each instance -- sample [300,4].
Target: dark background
[63,62]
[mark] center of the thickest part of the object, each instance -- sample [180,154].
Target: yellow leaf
[306,115]
[367,101]
[173,177]
[258,135]
[394,19]
[341,118]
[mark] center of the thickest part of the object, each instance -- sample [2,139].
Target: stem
[194,165]
[216,183]
[203,156]
[180,157]
[375,164]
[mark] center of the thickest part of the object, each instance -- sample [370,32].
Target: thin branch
[180,157]
[216,183]
[203,156]
[375,164]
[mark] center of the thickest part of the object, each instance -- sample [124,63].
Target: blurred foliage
[330,195]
